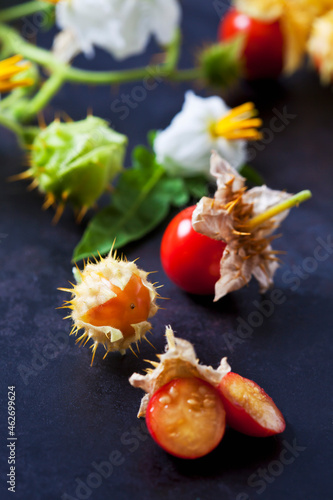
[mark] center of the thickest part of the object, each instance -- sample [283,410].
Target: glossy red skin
[264,44]
[149,412]
[238,418]
[191,260]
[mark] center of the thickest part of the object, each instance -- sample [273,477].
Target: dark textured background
[70,416]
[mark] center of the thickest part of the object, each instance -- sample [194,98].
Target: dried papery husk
[227,216]
[179,361]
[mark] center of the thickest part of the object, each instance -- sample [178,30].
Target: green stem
[22,10]
[9,100]
[12,125]
[173,52]
[277,209]
[76,75]
[183,75]
[43,96]
[15,44]
[12,40]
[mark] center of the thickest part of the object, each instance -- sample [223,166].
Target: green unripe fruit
[75,162]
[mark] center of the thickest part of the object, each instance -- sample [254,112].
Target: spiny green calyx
[75,162]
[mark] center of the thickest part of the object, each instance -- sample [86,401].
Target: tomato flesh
[129,307]
[263,52]
[186,417]
[248,408]
[191,260]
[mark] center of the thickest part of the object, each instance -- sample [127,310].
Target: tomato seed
[165,400]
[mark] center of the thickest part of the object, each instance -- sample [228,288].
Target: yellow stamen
[239,123]
[280,207]
[11,67]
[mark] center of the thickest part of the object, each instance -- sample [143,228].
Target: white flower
[203,124]
[121,27]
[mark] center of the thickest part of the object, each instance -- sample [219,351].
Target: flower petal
[185,146]
[65,46]
[122,27]
[165,18]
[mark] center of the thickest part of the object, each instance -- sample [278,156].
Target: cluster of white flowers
[121,27]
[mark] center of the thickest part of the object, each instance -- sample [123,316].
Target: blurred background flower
[276,33]
[12,74]
[121,27]
[320,46]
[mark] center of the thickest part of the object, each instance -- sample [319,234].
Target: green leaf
[140,202]
[151,137]
[197,186]
[251,175]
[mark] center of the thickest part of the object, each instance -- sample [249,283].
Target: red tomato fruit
[249,409]
[186,417]
[191,260]
[263,52]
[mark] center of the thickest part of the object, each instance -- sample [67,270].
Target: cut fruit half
[186,417]
[249,409]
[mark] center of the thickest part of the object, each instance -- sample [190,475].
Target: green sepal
[222,63]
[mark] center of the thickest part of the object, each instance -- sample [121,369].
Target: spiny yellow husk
[99,283]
